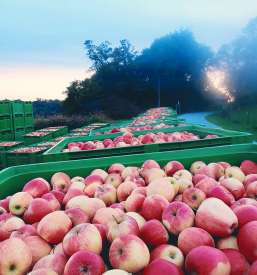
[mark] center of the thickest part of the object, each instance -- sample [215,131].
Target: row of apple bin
[187,209]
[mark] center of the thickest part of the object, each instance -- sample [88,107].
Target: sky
[41,42]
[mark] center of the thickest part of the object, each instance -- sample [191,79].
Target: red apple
[77,216]
[228,242]
[62,186]
[8,225]
[245,214]
[218,170]
[18,202]
[205,170]
[161,187]
[104,215]
[91,205]
[100,173]
[106,193]
[134,203]
[93,179]
[248,167]
[116,168]
[206,184]
[221,193]
[172,167]
[125,189]
[234,186]
[244,201]
[36,188]
[136,179]
[59,176]
[193,197]
[149,164]
[24,231]
[161,267]
[253,269]
[52,201]
[196,165]
[139,219]
[114,179]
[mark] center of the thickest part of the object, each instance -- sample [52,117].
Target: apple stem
[115,219]
[233,191]
[16,230]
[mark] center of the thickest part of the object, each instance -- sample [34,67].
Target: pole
[159,92]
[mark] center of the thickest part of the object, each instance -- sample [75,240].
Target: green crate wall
[5,108]
[6,136]
[18,133]
[18,121]
[28,120]
[29,129]
[17,107]
[28,107]
[6,123]
[30,140]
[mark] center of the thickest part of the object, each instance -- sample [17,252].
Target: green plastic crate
[29,120]
[29,129]
[29,140]
[13,179]
[14,159]
[17,108]
[64,129]
[28,107]
[54,134]
[18,121]
[6,136]
[5,108]
[225,138]
[18,134]
[7,148]
[6,123]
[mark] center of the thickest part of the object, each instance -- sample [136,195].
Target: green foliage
[46,107]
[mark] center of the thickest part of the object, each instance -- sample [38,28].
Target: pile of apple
[49,143]
[37,134]
[132,129]
[28,150]
[83,130]
[11,143]
[132,220]
[128,139]
[49,130]
[61,138]
[79,134]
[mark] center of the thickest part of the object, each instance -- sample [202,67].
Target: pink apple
[205,260]
[100,173]
[5,204]
[225,165]
[193,237]
[234,186]
[59,195]
[116,168]
[15,257]
[183,174]
[249,179]
[93,179]
[135,254]
[58,250]
[8,225]
[245,214]
[55,262]
[196,165]
[77,185]
[154,173]
[178,198]
[161,187]
[59,176]
[248,167]
[139,219]
[84,236]
[177,216]
[206,184]
[218,170]
[134,203]
[131,170]
[125,189]
[228,242]
[43,271]
[216,218]
[61,186]
[77,179]
[77,216]
[52,201]
[90,190]
[253,269]
[174,183]
[54,226]
[102,230]
[86,262]
[75,202]
[114,179]
[172,167]
[18,202]
[184,184]
[221,193]
[106,193]
[120,208]
[252,191]
[193,197]
[2,210]
[104,215]
[91,205]
[36,188]
[71,194]
[234,172]
[205,170]
[244,201]
[136,179]
[139,190]
[198,178]
[121,225]
[149,164]
[23,232]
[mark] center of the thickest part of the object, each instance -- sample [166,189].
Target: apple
[195,166]
[93,179]
[106,193]
[58,250]
[91,205]
[136,179]
[55,262]
[154,173]
[161,266]
[228,242]
[116,168]
[198,178]
[38,247]
[71,194]
[76,202]
[252,191]
[134,203]
[183,174]
[193,197]
[121,225]
[77,179]
[120,208]
[139,190]
[59,176]
[90,190]
[77,216]
[225,165]
[218,170]
[15,257]
[248,167]
[116,272]
[85,262]
[184,184]
[172,167]
[221,193]
[43,271]
[125,189]
[77,185]
[135,254]
[23,232]
[104,215]
[149,164]
[249,179]
[100,173]
[216,218]
[246,241]
[114,179]
[61,186]
[139,219]
[234,172]
[18,202]
[206,184]
[244,201]
[245,214]
[253,269]
[8,225]
[193,237]
[177,216]
[36,188]
[161,187]
[5,204]
[59,195]
[205,260]
[84,236]
[234,186]
[2,210]
[131,170]
[178,198]
[205,170]
[52,201]
[54,226]
[238,263]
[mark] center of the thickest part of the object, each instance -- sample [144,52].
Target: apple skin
[77,185]
[183,174]
[184,184]
[161,187]
[37,210]
[100,173]
[14,252]
[139,219]
[36,188]
[139,190]
[193,197]
[198,178]
[206,184]
[77,179]
[59,176]
[249,179]
[135,254]
[205,260]
[5,204]
[38,247]
[136,179]
[24,231]
[114,179]
[131,170]
[52,201]
[18,202]
[174,183]
[225,165]
[153,207]
[118,207]
[93,179]
[221,193]
[90,190]
[125,189]
[91,205]
[75,202]
[178,198]
[62,186]
[84,236]
[106,193]
[116,168]
[58,250]
[234,186]
[161,267]
[228,242]
[134,203]
[216,218]
[172,167]
[116,272]
[252,191]
[149,164]
[153,234]
[253,269]
[77,216]
[177,216]
[246,241]
[121,225]
[54,226]
[104,215]
[234,172]
[218,170]
[169,253]
[245,214]
[55,262]
[59,195]
[239,264]
[7,225]
[87,260]
[43,271]
[244,201]
[154,173]
[193,237]
[205,170]
[248,167]
[195,166]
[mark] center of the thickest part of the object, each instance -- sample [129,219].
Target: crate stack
[28,117]
[6,121]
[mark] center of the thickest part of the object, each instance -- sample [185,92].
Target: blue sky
[41,49]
